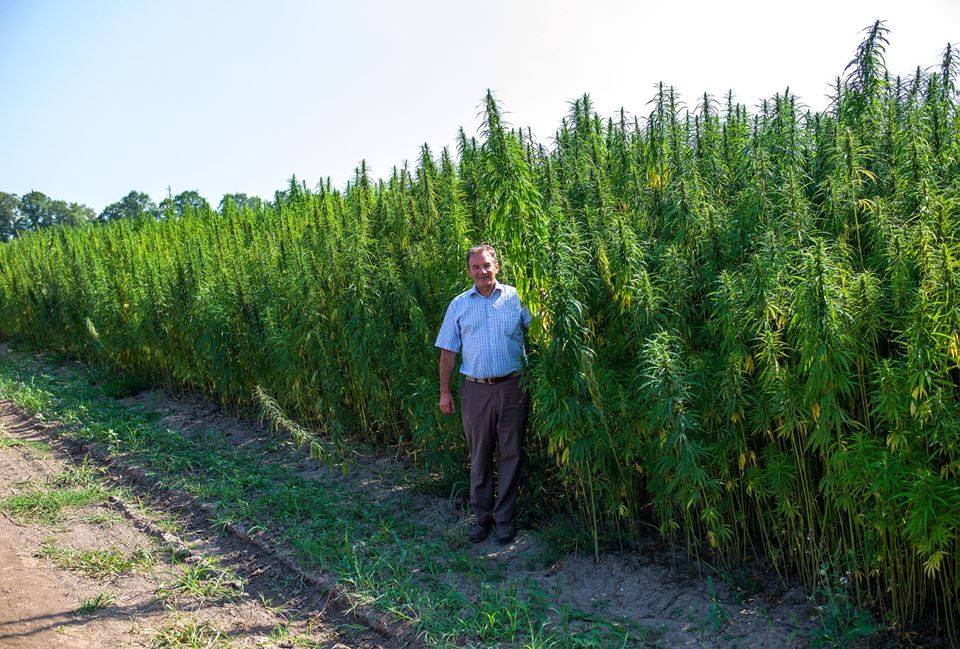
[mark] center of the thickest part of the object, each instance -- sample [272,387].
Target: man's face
[483,270]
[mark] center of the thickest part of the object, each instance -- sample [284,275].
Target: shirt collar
[496,287]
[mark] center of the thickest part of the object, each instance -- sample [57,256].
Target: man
[486,325]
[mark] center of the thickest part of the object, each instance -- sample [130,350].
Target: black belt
[494,379]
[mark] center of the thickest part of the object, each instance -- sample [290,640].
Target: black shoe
[505,531]
[480,530]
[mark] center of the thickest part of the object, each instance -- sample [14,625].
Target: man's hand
[447,358]
[447,405]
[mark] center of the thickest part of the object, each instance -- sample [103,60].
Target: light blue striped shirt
[487,331]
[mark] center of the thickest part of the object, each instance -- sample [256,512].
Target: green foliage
[207,579]
[48,505]
[37,210]
[747,325]
[190,634]
[177,206]
[842,623]
[91,605]
[105,563]
[239,201]
[134,205]
[11,219]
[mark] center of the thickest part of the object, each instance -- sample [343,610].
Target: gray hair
[483,247]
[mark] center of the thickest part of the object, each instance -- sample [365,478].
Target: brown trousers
[494,416]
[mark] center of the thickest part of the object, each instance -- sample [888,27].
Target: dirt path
[83,563]
[38,608]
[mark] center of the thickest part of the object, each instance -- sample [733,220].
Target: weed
[80,475]
[741,582]
[841,622]
[93,604]
[162,519]
[105,519]
[540,638]
[190,635]
[206,579]
[283,635]
[47,505]
[717,617]
[100,564]
[33,399]
[36,446]
[351,629]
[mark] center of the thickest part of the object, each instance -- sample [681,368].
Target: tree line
[35,210]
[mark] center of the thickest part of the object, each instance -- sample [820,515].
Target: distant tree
[71,213]
[89,213]
[133,205]
[11,220]
[35,209]
[177,206]
[240,201]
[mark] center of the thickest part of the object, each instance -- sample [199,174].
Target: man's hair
[483,247]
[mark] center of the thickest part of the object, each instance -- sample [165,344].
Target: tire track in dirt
[39,601]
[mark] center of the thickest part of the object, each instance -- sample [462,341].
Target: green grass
[8,441]
[93,604]
[29,396]
[101,563]
[283,635]
[375,549]
[106,519]
[48,506]
[206,579]
[85,474]
[190,634]
[559,537]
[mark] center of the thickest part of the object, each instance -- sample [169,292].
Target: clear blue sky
[103,97]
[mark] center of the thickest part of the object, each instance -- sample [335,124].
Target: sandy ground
[40,600]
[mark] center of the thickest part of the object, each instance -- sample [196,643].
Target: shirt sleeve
[449,336]
[524,316]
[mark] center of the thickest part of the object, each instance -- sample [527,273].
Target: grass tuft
[207,580]
[36,446]
[93,604]
[190,634]
[47,506]
[101,564]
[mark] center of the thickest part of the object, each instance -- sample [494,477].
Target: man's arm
[447,359]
